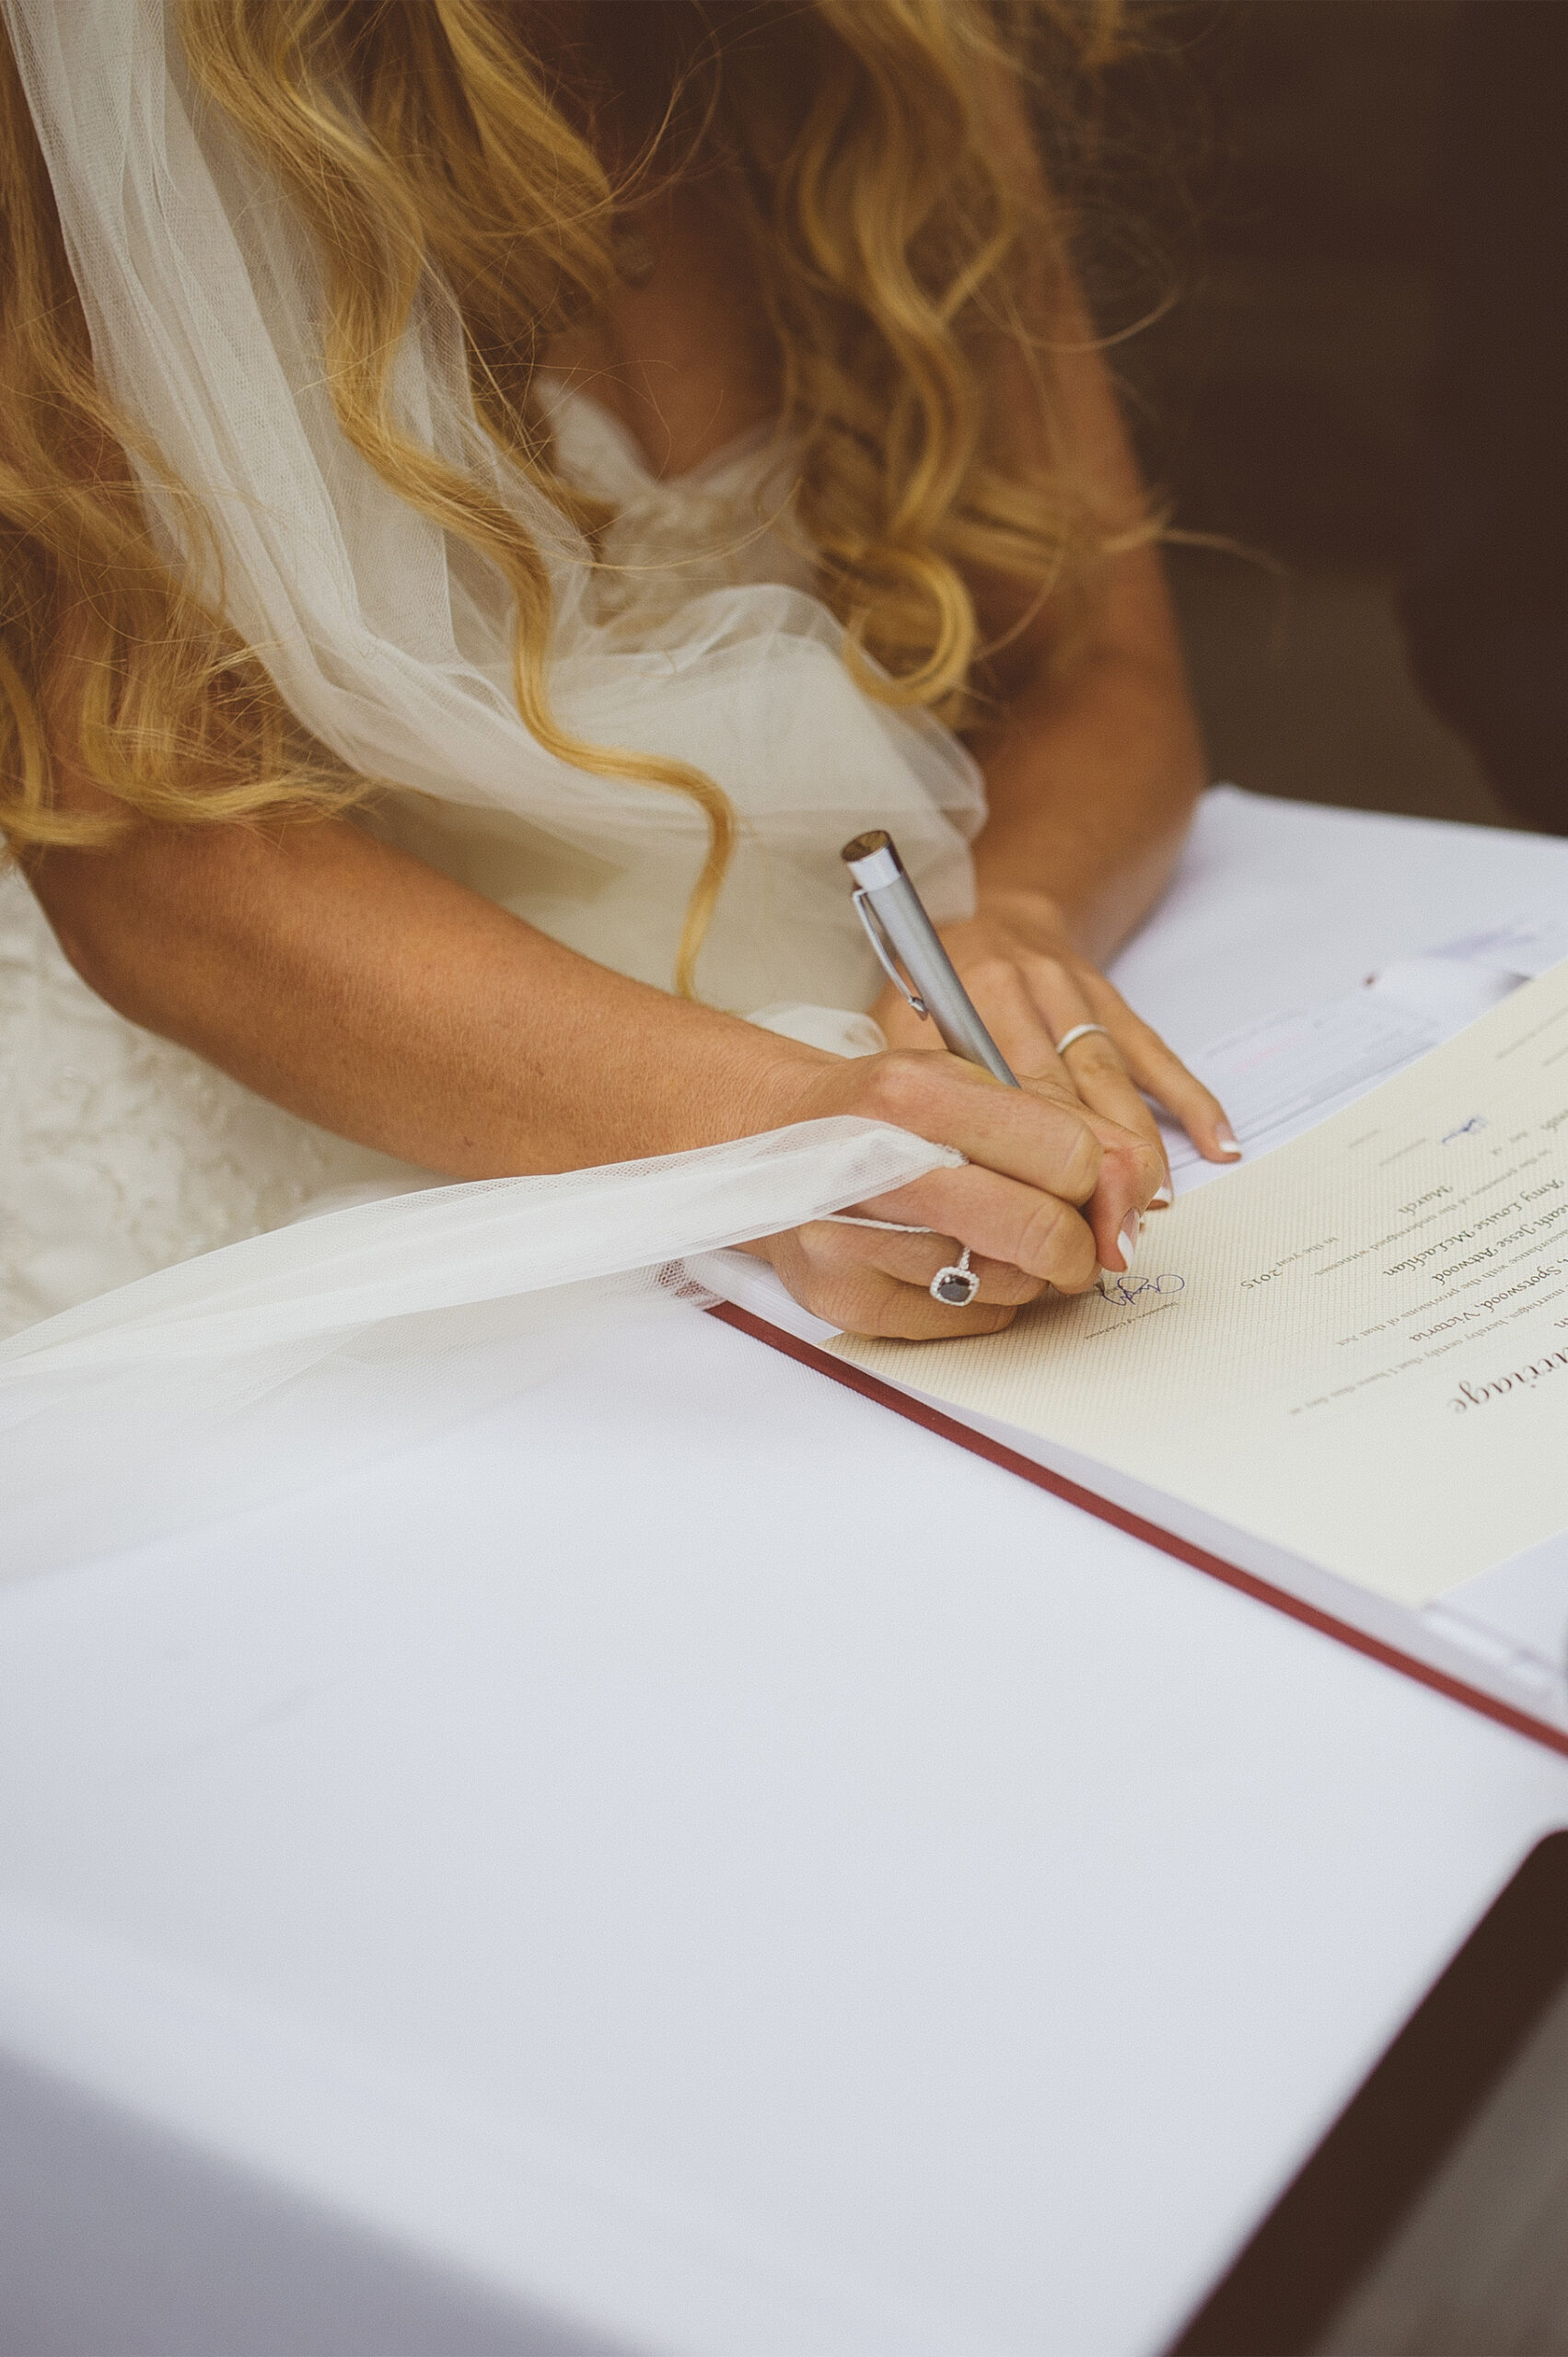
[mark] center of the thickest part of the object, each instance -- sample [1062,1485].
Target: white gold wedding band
[1079,1031]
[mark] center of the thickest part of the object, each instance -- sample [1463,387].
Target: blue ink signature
[1467,1128]
[1125,1291]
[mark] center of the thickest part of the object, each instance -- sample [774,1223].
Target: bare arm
[364,991]
[1091,776]
[361,989]
[367,992]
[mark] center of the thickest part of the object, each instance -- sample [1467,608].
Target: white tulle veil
[392,646]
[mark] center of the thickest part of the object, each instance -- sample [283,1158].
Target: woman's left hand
[1032,987]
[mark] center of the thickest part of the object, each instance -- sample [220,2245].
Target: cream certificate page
[1355,1348]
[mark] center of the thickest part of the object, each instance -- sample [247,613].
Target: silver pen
[911,955]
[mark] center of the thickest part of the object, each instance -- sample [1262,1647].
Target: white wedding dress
[122,1153]
[180,1338]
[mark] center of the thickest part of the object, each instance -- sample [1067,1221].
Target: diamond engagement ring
[957,1285]
[1079,1031]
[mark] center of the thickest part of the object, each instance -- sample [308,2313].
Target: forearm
[1091,784]
[363,989]
[1091,771]
[366,992]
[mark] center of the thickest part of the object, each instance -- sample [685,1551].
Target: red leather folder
[1520,1719]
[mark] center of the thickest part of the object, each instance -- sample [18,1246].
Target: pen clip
[884,948]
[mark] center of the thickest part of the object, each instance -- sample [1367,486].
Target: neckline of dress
[559,394]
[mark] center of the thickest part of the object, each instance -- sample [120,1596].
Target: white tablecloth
[691,1863]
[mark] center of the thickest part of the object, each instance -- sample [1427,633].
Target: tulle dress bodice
[122,1153]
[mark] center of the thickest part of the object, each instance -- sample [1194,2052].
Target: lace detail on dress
[121,1153]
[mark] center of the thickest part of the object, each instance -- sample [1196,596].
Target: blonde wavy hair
[892,248]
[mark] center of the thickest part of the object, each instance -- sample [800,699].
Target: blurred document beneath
[1355,1348]
[1278,1076]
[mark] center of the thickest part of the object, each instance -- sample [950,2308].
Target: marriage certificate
[1355,1348]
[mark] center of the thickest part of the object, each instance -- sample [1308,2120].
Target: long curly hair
[894,244]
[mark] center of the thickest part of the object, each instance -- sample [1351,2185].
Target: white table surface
[691,1863]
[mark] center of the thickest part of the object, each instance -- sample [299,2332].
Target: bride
[493,496]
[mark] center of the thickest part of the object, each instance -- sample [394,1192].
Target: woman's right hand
[1049,1195]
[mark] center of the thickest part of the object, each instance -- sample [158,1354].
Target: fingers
[1013,1013]
[1104,1083]
[1003,1220]
[1154,1067]
[1034,1155]
[1031,1003]
[853,1278]
[914,1260]
[1040,1139]
[1031,998]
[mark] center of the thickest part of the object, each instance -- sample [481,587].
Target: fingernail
[1226,1136]
[1162,1200]
[1127,1236]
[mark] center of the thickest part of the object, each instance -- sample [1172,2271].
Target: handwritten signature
[1125,1291]
[1467,1128]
